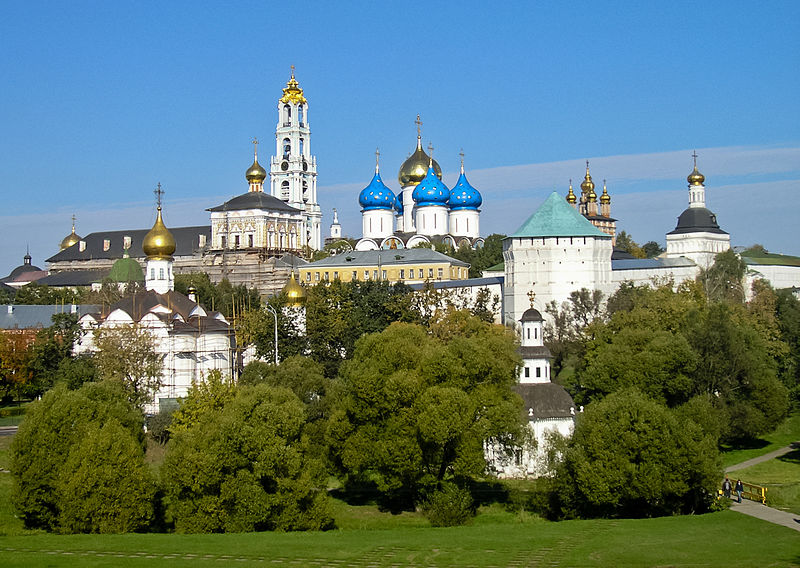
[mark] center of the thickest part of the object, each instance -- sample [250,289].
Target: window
[287,148]
[152,274]
[402,274]
[316,276]
[236,241]
[300,114]
[223,241]
[536,333]
[250,241]
[527,372]
[430,273]
[285,190]
[538,372]
[366,275]
[441,273]
[327,276]
[528,330]
[287,115]
[308,277]
[302,145]
[383,274]
[335,274]
[411,273]
[355,275]
[161,274]
[375,274]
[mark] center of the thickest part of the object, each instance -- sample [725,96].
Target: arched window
[300,114]
[285,190]
[302,144]
[287,115]
[287,148]
[223,241]
[305,192]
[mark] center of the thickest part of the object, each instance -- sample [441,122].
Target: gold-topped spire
[158,243]
[292,93]
[416,165]
[70,239]
[587,185]
[571,198]
[605,198]
[695,178]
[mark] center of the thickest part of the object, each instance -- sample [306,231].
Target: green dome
[126,269]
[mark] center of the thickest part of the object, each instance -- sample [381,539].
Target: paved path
[766,457]
[8,430]
[756,509]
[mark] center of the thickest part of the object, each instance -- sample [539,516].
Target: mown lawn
[781,477]
[785,434]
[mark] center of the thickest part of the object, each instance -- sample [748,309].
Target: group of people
[726,488]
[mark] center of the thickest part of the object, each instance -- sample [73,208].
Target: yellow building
[395,265]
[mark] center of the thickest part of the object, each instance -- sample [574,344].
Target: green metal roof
[557,218]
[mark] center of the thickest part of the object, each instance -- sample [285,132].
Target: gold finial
[461,154]
[605,198]
[377,163]
[587,186]
[292,68]
[158,193]
[418,122]
[73,222]
[570,195]
[531,296]
[695,178]
[292,93]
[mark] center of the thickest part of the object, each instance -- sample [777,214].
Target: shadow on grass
[792,457]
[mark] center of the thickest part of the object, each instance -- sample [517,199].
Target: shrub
[449,506]
[158,426]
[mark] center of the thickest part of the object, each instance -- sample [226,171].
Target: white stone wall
[701,248]
[465,223]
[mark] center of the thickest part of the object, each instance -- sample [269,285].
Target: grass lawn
[781,477]
[785,434]
[12,414]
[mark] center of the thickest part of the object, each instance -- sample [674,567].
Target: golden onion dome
[695,178]
[158,243]
[69,240]
[571,198]
[605,198]
[416,165]
[587,185]
[295,293]
[255,172]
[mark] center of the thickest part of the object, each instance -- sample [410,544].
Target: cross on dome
[531,296]
[158,193]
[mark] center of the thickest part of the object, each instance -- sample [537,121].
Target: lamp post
[271,310]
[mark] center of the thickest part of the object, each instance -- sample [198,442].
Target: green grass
[726,539]
[781,477]
[12,415]
[785,434]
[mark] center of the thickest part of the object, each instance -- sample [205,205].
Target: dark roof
[619,254]
[394,257]
[74,278]
[650,263]
[697,220]
[19,271]
[468,282]
[187,240]
[531,314]
[27,317]
[255,200]
[547,400]
[139,304]
[540,352]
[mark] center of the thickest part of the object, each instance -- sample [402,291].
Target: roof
[20,270]
[539,352]
[531,314]
[74,278]
[764,258]
[650,263]
[547,400]
[619,254]
[557,218]
[697,220]
[126,269]
[255,200]
[28,317]
[187,240]
[385,258]
[139,304]
[466,283]
[290,261]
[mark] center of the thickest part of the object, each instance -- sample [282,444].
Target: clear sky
[100,101]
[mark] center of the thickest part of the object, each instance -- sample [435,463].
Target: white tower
[535,356]
[159,246]
[412,172]
[293,169]
[336,228]
[464,202]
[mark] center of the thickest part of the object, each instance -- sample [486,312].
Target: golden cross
[531,296]
[418,122]
[292,66]
[158,192]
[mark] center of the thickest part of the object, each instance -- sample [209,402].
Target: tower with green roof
[554,252]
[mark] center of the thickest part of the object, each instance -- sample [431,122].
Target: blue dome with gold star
[376,195]
[430,191]
[464,196]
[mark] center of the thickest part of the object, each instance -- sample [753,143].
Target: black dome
[531,314]
[697,220]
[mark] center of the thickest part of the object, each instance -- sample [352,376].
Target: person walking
[726,488]
[739,489]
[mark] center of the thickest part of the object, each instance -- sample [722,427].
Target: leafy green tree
[40,295]
[204,397]
[787,309]
[625,242]
[105,485]
[127,355]
[652,249]
[51,349]
[15,358]
[245,467]
[414,409]
[631,457]
[53,428]
[566,330]
[231,301]
[724,280]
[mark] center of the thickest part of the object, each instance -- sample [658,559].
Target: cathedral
[425,211]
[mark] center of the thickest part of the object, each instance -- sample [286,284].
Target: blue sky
[100,101]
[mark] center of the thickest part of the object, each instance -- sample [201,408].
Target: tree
[105,485]
[223,297]
[724,280]
[631,457]
[565,331]
[40,294]
[652,249]
[413,410]
[15,358]
[625,242]
[53,428]
[245,467]
[51,351]
[127,355]
[787,309]
[204,398]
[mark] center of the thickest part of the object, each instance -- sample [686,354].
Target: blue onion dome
[431,190]
[376,195]
[463,195]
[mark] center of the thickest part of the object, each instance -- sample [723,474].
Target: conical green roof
[126,269]
[557,218]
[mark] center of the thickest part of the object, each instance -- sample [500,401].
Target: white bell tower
[293,169]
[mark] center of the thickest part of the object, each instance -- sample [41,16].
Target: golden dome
[293,93]
[415,167]
[158,243]
[255,172]
[587,185]
[295,293]
[695,178]
[70,239]
[571,199]
[605,198]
